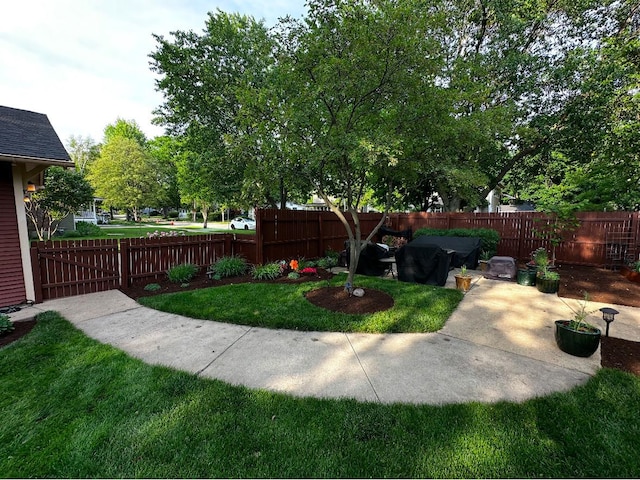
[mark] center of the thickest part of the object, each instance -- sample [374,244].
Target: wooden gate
[74,267]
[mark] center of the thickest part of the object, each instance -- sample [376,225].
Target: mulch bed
[20,329]
[602,285]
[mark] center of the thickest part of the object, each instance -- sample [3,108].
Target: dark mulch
[603,286]
[336,299]
[20,329]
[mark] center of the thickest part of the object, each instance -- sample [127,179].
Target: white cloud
[85,63]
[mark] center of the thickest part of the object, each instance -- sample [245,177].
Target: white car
[242,223]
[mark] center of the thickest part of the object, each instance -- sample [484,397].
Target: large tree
[593,162]
[65,192]
[348,76]
[203,77]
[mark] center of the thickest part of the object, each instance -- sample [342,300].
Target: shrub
[489,237]
[173,214]
[6,325]
[152,287]
[269,271]
[182,273]
[328,262]
[231,266]
[86,229]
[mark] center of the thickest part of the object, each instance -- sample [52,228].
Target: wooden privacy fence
[592,243]
[75,267]
[290,233]
[282,234]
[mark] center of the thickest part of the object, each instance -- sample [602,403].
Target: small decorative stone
[358,292]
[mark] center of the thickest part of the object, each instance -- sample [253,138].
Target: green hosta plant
[6,325]
[152,287]
[229,267]
[269,271]
[182,273]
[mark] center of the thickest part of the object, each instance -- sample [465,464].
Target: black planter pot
[547,286]
[526,276]
[578,343]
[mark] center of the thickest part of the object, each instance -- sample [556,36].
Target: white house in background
[28,146]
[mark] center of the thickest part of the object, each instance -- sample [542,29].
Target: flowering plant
[294,265]
[394,242]
[163,234]
[309,271]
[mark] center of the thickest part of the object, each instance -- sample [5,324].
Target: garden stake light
[608,315]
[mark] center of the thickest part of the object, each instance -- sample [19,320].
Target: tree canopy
[125,174]
[65,192]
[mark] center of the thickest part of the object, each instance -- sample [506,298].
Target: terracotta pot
[578,343]
[463,283]
[631,275]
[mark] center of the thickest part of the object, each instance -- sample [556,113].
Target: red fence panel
[144,259]
[75,267]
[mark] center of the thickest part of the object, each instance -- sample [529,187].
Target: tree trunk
[204,208]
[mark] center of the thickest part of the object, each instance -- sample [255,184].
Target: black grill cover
[420,262]
[466,250]
[368,262]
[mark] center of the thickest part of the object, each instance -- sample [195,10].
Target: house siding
[12,287]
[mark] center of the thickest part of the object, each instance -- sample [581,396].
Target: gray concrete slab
[517,319]
[318,364]
[497,345]
[437,369]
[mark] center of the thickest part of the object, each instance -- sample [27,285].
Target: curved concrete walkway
[498,345]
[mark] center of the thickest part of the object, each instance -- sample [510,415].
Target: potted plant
[631,271]
[483,262]
[575,336]
[463,279]
[547,281]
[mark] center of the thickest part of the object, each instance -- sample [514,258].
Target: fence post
[124,262]
[36,274]
[260,237]
[320,236]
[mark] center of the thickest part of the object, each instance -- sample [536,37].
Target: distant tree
[124,175]
[127,129]
[65,192]
[83,151]
[165,152]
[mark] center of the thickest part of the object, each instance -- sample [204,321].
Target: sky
[84,63]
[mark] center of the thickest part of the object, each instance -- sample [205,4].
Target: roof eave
[35,160]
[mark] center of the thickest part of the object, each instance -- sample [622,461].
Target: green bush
[269,271]
[152,287]
[182,273]
[231,266]
[173,214]
[86,229]
[6,325]
[489,237]
[327,262]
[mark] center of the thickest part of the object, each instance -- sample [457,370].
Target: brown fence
[590,244]
[75,267]
[302,233]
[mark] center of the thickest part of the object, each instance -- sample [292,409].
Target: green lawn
[72,407]
[418,308]
[139,231]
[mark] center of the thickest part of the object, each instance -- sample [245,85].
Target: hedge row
[489,237]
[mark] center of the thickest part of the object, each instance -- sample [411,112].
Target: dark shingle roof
[29,134]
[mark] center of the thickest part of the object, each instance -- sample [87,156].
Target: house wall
[14,262]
